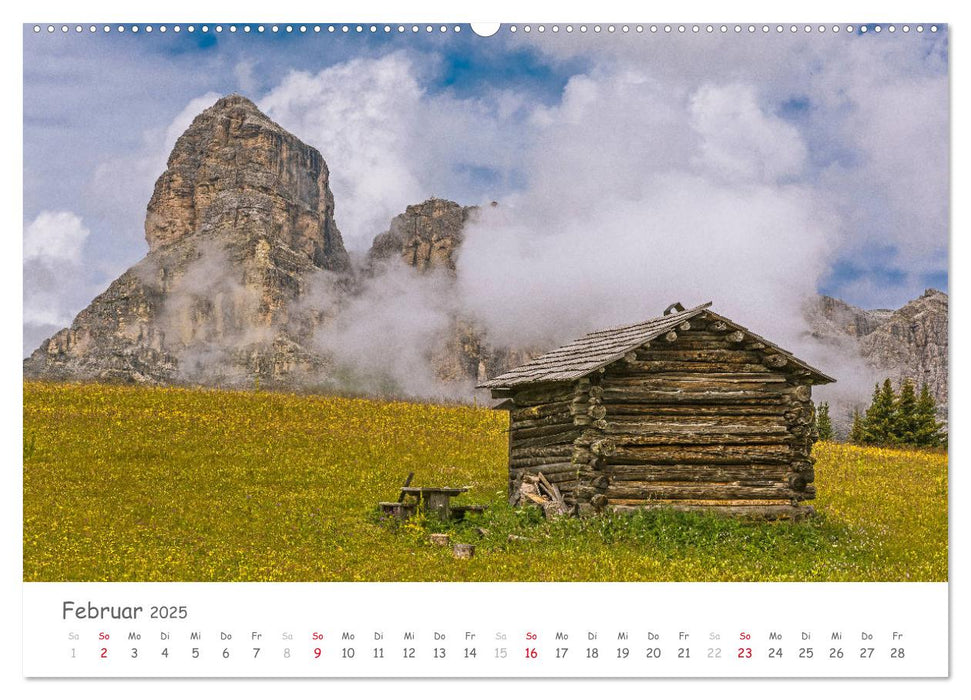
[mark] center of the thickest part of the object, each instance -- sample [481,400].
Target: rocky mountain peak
[238,225]
[236,173]
[235,101]
[913,343]
[831,316]
[425,236]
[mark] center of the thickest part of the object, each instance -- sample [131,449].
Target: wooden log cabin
[688,410]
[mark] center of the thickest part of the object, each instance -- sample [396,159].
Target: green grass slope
[144,484]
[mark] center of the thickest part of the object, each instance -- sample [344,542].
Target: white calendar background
[486,630]
[920,610]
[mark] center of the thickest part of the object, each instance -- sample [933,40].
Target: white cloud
[756,251]
[889,108]
[383,339]
[387,142]
[53,272]
[872,112]
[55,236]
[640,196]
[360,115]
[739,140]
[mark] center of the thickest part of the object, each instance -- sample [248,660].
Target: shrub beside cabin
[689,410]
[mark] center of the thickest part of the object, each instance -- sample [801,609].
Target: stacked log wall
[544,422]
[704,417]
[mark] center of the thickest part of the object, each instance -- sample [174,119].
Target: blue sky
[828,150]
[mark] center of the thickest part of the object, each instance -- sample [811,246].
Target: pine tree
[905,431]
[824,426]
[898,419]
[880,419]
[856,432]
[928,432]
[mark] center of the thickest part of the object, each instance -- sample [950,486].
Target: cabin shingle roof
[600,348]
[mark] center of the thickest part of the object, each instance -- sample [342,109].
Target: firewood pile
[537,490]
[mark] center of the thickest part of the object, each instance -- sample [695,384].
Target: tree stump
[439,538]
[463,551]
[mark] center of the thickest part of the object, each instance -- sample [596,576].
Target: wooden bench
[436,500]
[397,509]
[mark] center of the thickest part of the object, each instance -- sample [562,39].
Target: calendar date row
[472,652]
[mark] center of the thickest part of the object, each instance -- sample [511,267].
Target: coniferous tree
[824,426]
[905,432]
[879,421]
[928,431]
[899,419]
[856,432]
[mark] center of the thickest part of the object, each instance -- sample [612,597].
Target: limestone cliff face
[833,317]
[113,339]
[425,236]
[239,223]
[236,172]
[911,341]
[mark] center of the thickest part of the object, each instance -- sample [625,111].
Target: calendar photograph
[414,303]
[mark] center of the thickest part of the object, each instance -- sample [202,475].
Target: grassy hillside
[134,484]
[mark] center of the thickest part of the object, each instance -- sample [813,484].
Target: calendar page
[447,350]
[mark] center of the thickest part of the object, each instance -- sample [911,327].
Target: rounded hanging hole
[485,28]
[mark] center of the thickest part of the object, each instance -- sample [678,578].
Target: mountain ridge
[906,343]
[246,268]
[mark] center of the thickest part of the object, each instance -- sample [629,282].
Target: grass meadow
[175,484]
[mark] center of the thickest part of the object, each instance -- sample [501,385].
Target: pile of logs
[537,490]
